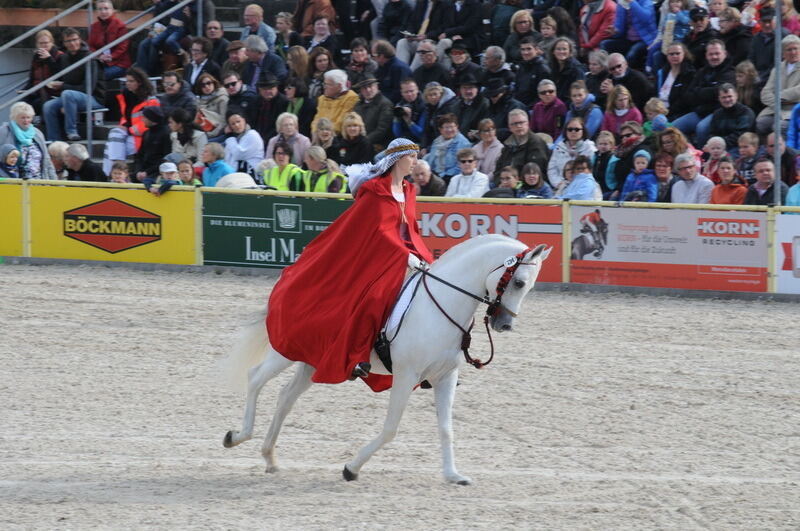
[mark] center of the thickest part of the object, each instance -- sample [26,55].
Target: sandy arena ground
[600,412]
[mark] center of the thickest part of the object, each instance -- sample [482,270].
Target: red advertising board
[444,225]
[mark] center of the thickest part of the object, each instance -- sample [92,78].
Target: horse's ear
[539,251]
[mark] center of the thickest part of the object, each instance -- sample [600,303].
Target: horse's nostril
[505,327]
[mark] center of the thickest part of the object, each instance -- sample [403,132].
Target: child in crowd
[715,7]
[119,172]
[641,183]
[167,177]
[715,148]
[548,28]
[186,173]
[673,27]
[582,185]
[533,184]
[508,184]
[748,155]
[605,148]
[731,188]
[582,106]
[9,155]
[620,109]
[560,187]
[652,110]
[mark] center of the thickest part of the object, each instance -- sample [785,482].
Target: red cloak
[328,307]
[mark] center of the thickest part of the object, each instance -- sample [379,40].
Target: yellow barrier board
[112,224]
[11,216]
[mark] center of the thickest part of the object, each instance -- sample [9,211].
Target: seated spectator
[168,40]
[700,35]
[632,139]
[663,171]
[81,167]
[472,106]
[715,151]
[126,139]
[409,114]
[201,62]
[673,80]
[790,87]
[219,44]
[533,183]
[521,27]
[468,182]
[605,149]
[598,73]
[715,8]
[376,110]
[693,188]
[353,145]
[673,26]
[58,154]
[236,59]
[634,30]
[21,133]
[212,105]
[427,19]
[213,156]
[167,178]
[185,138]
[323,37]
[582,185]
[737,37]
[786,157]
[254,25]
[656,115]
[187,173]
[522,146]
[288,133]
[576,143]
[324,135]
[108,28]
[62,112]
[119,173]
[260,61]
[793,195]
[439,101]
[336,100]
[582,106]
[285,36]
[44,64]
[488,149]
[300,104]
[621,74]
[596,24]
[442,156]
[508,186]
[732,119]
[532,68]
[566,178]
[731,188]
[495,66]
[425,182]
[297,62]
[501,18]
[391,70]
[641,183]
[284,175]
[393,20]
[564,68]
[323,174]
[360,61]
[549,30]
[548,113]
[619,110]
[156,144]
[765,40]
[762,192]
[244,147]
[320,61]
[239,97]
[177,94]
[565,25]
[748,86]
[672,142]
[749,153]
[306,12]
[430,68]
[501,103]
[462,64]
[268,106]
[9,155]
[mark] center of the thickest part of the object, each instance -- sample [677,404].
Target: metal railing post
[199,18]
[89,92]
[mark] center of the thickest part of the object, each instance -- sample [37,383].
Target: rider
[328,308]
[591,223]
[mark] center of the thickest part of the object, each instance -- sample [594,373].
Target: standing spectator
[409,113]
[254,25]
[548,113]
[300,104]
[219,44]
[307,10]
[212,105]
[641,183]
[288,134]
[376,110]
[336,100]
[634,29]
[522,146]
[737,38]
[320,61]
[633,80]
[213,157]
[239,97]
[576,143]
[521,26]
[269,105]
[762,191]
[360,61]
[731,188]
[108,28]
[34,160]
[673,80]
[790,84]
[500,104]
[260,61]
[596,20]
[45,63]
[177,94]
[765,40]
[531,69]
[469,182]
[126,139]
[732,119]
[236,59]
[244,147]
[62,112]
[201,62]
[430,69]
[352,146]
[81,167]
[442,155]
[564,68]
[285,36]
[323,36]
[693,188]
[185,138]
[619,110]
[426,182]
[155,146]
[488,149]
[391,70]
[533,183]
[700,35]
[598,73]
[472,106]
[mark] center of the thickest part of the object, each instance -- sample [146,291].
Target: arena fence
[658,245]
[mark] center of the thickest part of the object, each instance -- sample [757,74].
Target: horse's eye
[519,284]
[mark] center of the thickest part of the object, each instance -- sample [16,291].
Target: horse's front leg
[402,386]
[444,392]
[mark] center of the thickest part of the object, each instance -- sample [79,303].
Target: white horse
[426,347]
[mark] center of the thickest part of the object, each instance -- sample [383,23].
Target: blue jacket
[216,171]
[793,132]
[581,187]
[793,196]
[591,114]
[643,18]
[645,181]
[390,75]
[446,165]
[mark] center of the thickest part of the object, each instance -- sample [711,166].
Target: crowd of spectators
[625,100]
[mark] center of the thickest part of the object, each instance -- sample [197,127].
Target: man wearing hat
[472,107]
[501,102]
[702,32]
[376,110]
[156,144]
[270,103]
[236,58]
[763,42]
[462,62]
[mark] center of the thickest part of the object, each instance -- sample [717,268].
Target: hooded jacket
[527,79]
[448,103]
[645,181]
[642,16]
[601,23]
[728,194]
[6,171]
[591,114]
[581,187]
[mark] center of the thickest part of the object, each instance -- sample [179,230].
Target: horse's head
[518,286]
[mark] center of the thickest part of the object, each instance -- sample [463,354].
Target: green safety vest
[280,180]
[323,181]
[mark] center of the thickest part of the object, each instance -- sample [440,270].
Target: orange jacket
[136,126]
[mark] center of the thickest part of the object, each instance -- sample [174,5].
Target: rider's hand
[416,263]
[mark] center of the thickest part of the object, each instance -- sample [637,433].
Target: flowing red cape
[327,308]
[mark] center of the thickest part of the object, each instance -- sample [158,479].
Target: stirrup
[361,370]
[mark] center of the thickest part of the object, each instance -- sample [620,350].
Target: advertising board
[787,249]
[11,215]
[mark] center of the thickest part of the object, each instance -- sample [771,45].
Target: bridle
[493,305]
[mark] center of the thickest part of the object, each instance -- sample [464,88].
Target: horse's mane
[467,246]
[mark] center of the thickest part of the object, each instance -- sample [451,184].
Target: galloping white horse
[426,347]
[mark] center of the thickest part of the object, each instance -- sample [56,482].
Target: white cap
[167,167]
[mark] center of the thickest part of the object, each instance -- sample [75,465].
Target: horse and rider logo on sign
[112,225]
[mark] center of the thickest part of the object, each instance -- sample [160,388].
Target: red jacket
[136,125]
[601,25]
[328,307]
[104,31]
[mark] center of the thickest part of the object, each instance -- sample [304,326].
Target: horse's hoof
[271,469]
[458,479]
[463,482]
[227,442]
[349,476]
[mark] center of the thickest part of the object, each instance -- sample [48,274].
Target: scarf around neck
[24,136]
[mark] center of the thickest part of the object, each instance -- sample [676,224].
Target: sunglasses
[424,52]
[546,91]
[231,84]
[615,67]
[574,129]
[465,161]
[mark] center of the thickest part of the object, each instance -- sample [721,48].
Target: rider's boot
[361,370]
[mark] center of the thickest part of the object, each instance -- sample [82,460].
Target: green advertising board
[262,230]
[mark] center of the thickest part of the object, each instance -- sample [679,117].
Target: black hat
[494,86]
[468,79]
[767,13]
[154,113]
[697,13]
[459,44]
[267,80]
[365,80]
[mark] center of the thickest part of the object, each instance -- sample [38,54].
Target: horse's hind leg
[444,392]
[401,391]
[299,384]
[272,365]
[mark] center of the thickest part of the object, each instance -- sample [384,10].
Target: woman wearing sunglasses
[575,143]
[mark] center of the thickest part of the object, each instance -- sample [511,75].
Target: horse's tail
[249,349]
